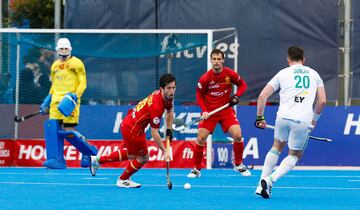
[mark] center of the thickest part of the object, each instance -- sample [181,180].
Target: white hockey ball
[187,186]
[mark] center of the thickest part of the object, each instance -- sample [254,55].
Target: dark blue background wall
[266,29]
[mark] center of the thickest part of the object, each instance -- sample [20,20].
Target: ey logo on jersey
[300,98]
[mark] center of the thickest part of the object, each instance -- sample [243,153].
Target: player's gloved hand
[73,96]
[68,104]
[205,115]
[169,134]
[45,106]
[234,100]
[260,122]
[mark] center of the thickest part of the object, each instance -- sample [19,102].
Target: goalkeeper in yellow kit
[68,79]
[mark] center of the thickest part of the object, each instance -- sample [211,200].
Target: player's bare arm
[261,103]
[320,104]
[157,138]
[169,117]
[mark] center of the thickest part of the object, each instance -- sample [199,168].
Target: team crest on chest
[62,66]
[227,80]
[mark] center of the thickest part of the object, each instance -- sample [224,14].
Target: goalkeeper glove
[68,104]
[45,106]
[73,96]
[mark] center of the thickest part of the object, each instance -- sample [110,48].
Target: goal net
[122,67]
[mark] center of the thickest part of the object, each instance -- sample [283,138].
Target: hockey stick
[168,181]
[198,119]
[23,118]
[311,137]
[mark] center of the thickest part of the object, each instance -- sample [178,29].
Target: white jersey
[298,85]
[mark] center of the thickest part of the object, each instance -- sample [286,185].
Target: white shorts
[294,132]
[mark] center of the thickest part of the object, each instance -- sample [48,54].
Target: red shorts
[136,145]
[226,118]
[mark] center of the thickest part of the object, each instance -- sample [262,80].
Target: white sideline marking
[54,183]
[317,168]
[302,176]
[172,174]
[320,176]
[45,173]
[357,180]
[94,178]
[194,186]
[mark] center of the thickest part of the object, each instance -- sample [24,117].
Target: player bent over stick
[299,85]
[63,104]
[213,91]
[148,111]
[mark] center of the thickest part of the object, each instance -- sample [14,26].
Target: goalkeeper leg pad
[79,142]
[54,145]
[55,164]
[85,160]
[66,105]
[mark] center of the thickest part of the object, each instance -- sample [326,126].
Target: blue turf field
[39,188]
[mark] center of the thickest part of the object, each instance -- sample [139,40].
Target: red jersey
[149,110]
[214,89]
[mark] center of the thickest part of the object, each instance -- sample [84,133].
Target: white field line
[55,174]
[163,185]
[321,176]
[95,178]
[256,167]
[163,174]
[318,168]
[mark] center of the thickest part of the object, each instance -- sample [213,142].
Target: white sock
[286,165]
[271,159]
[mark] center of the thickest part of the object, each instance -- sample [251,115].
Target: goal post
[114,58]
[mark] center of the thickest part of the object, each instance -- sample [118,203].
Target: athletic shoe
[241,168]
[266,185]
[194,173]
[127,183]
[94,165]
[258,189]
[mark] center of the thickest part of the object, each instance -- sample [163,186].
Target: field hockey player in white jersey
[299,86]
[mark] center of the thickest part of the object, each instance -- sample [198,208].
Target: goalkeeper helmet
[63,47]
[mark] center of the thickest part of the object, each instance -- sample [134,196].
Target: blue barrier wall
[342,124]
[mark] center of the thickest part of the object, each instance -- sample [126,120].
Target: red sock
[118,155]
[132,168]
[238,152]
[198,155]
